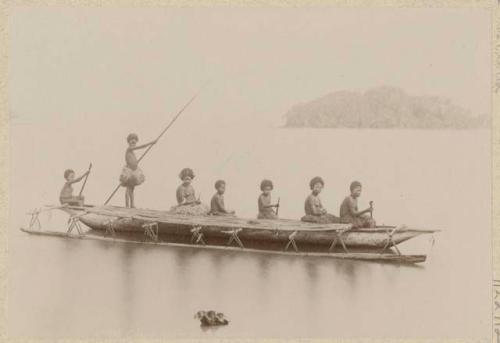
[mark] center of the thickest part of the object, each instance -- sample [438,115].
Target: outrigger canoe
[230,232]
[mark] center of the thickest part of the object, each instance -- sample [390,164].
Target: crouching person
[315,212]
[349,213]
[66,196]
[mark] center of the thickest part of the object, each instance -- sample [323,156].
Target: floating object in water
[211,318]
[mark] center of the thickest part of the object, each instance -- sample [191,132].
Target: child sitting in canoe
[266,208]
[132,175]
[186,198]
[349,213]
[66,196]
[217,207]
[315,213]
[185,192]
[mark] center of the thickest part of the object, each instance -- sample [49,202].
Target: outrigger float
[282,236]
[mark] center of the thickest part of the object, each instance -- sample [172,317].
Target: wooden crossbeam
[151,230]
[233,237]
[339,238]
[291,241]
[390,242]
[197,235]
[74,223]
[35,220]
[110,228]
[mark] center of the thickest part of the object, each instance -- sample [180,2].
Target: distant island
[382,107]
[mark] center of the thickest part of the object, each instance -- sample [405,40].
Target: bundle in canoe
[244,232]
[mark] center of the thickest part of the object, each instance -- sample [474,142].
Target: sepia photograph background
[81,79]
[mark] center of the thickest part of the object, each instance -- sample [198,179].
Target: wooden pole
[161,134]
[85,181]
[371,207]
[171,122]
[112,194]
[278,206]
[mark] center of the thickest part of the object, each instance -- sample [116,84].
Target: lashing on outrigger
[352,235]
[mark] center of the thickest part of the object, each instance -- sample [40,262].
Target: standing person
[266,208]
[132,175]
[315,212]
[349,213]
[66,196]
[217,206]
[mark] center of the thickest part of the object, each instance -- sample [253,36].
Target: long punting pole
[161,134]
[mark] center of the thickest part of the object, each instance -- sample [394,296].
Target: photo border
[492,6]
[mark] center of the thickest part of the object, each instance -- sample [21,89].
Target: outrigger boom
[363,256]
[228,233]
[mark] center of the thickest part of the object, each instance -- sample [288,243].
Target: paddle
[278,206]
[161,134]
[85,181]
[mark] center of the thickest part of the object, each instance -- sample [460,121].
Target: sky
[127,65]
[81,79]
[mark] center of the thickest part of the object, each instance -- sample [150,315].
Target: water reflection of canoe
[213,229]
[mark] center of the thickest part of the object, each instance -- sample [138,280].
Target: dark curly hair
[218,183]
[132,136]
[67,172]
[316,180]
[354,184]
[266,183]
[186,172]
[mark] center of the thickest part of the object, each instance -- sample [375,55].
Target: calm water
[434,179]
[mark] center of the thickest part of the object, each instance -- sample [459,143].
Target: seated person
[185,192]
[266,209]
[187,203]
[315,213]
[217,207]
[66,196]
[349,213]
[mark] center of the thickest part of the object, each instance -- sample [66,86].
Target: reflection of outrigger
[283,236]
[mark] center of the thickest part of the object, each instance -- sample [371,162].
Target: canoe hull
[356,238]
